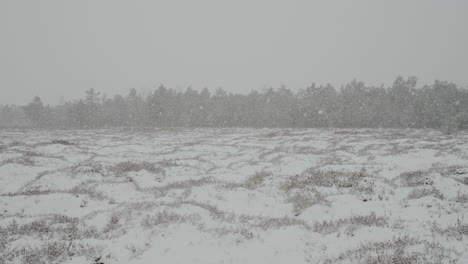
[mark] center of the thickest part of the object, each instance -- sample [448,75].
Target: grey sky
[55,48]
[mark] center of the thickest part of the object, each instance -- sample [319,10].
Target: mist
[57,49]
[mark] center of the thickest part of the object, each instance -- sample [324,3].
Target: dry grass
[88,167]
[251,182]
[23,160]
[324,178]
[58,234]
[56,142]
[51,252]
[354,221]
[304,200]
[187,184]
[461,198]
[257,179]
[247,221]
[415,178]
[166,217]
[463,180]
[129,166]
[402,250]
[281,133]
[113,222]
[67,228]
[89,190]
[417,193]
[456,230]
[16,144]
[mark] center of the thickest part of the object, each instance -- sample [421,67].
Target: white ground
[233,196]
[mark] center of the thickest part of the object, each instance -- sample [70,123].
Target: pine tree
[35,112]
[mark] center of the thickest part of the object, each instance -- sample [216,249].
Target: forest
[442,105]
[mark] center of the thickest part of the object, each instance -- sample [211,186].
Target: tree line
[402,105]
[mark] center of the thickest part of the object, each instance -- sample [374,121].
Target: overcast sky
[62,48]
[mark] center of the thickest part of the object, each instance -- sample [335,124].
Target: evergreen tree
[35,112]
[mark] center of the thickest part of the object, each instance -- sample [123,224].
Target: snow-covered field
[233,196]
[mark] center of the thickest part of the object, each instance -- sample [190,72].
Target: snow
[221,195]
